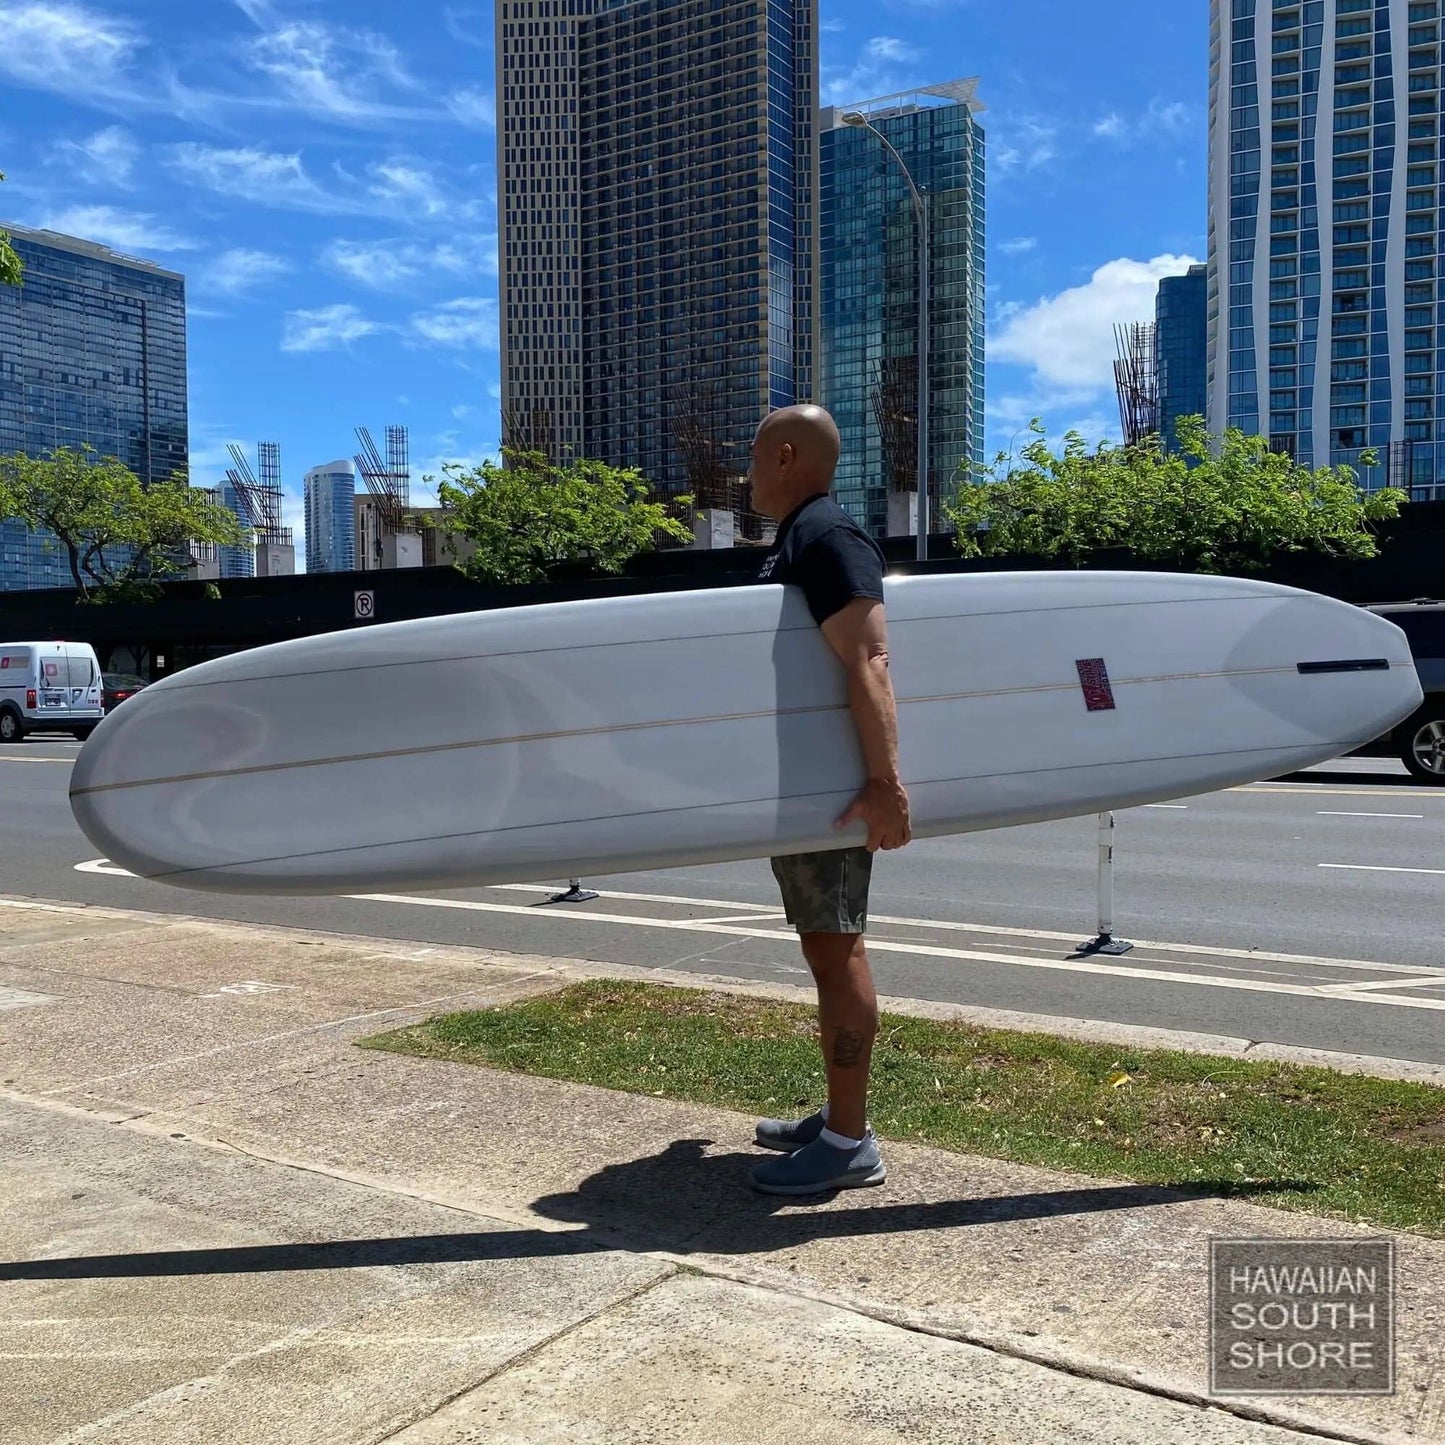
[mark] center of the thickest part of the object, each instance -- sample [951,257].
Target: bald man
[839,568]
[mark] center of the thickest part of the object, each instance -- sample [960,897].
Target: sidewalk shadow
[679,1201]
[683,1199]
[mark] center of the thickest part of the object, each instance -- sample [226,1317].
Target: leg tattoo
[848,1049]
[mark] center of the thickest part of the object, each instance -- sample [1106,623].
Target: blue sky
[323,173]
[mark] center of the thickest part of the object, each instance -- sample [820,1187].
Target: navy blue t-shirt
[822,550]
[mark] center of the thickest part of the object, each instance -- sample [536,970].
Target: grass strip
[1340,1145]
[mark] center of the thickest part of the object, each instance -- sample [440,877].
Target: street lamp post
[920,210]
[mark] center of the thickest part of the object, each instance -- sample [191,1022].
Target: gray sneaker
[789,1134]
[818,1167]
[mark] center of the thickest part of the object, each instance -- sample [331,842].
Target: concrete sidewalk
[224,1222]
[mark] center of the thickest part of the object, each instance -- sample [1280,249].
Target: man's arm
[859,635]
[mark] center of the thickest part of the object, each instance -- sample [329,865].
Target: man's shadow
[685,1199]
[682,1200]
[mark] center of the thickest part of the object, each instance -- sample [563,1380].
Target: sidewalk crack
[669,1270]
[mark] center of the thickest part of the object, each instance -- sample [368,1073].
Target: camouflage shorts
[826,892]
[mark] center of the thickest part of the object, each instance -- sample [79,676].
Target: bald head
[795,453]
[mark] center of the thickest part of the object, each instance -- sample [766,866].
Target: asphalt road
[1308,912]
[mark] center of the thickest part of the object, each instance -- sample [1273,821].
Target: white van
[48,687]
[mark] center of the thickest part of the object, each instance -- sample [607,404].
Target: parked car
[117,686]
[1419,741]
[48,687]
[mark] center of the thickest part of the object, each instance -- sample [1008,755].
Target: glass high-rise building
[92,352]
[868,295]
[1326,298]
[237,561]
[330,497]
[658,185]
[1181,349]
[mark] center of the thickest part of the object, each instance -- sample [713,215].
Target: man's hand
[883,805]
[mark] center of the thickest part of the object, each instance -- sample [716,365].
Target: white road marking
[1435,979]
[103,865]
[1330,813]
[6,758]
[1178,807]
[766,912]
[882,945]
[646,897]
[772,914]
[1372,868]
[1251,955]
[1313,790]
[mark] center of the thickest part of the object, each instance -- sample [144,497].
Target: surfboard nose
[1367,672]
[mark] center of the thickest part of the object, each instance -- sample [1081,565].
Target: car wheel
[1424,748]
[12,730]
[83,733]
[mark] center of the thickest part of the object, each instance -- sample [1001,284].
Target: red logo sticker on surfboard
[1094,679]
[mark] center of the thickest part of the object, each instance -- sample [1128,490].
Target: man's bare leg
[848,1024]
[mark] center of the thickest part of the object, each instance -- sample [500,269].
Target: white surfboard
[684,728]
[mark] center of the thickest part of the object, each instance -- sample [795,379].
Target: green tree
[120,537]
[10,267]
[1224,508]
[528,516]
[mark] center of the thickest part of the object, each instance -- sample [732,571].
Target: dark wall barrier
[186,627]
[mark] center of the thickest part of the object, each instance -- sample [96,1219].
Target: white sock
[839,1141]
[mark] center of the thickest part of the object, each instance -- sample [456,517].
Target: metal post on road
[920,211]
[1105,942]
[576,893]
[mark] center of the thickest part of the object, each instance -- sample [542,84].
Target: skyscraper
[868,296]
[92,352]
[658,232]
[330,497]
[237,561]
[1181,349]
[1325,232]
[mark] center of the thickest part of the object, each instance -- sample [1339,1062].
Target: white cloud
[332,71]
[408,188]
[1019,245]
[1068,339]
[469,321]
[874,72]
[474,107]
[402,189]
[60,46]
[1023,143]
[390,263]
[238,270]
[105,158]
[382,264]
[1160,122]
[887,47]
[266,177]
[469,24]
[1062,410]
[325,328]
[132,231]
